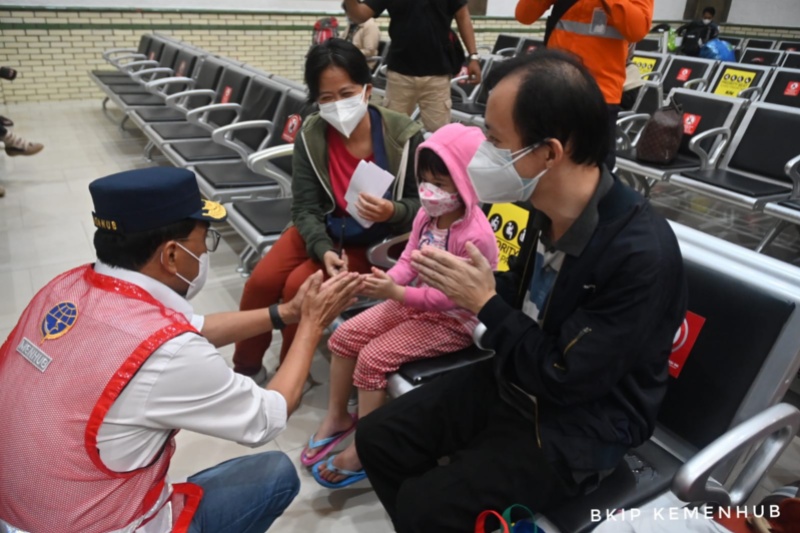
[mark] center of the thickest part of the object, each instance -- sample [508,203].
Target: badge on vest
[34,355]
[59,320]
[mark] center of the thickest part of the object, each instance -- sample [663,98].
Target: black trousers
[493,456]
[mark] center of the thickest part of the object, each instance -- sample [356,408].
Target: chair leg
[122,124]
[244,261]
[148,151]
[779,226]
[105,103]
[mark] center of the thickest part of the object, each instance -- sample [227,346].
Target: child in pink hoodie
[415,321]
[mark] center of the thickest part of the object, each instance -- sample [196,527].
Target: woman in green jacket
[330,145]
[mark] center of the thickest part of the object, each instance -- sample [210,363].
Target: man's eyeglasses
[212,239]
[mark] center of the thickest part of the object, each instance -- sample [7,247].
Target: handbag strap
[510,508]
[480,523]
[559,10]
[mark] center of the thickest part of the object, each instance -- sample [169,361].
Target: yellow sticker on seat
[509,223]
[733,81]
[645,65]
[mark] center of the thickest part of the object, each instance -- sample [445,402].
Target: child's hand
[380,285]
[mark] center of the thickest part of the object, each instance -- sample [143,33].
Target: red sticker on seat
[226,95]
[690,123]
[684,341]
[683,74]
[181,69]
[151,55]
[531,48]
[292,127]
[792,88]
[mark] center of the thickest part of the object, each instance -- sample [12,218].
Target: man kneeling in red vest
[109,361]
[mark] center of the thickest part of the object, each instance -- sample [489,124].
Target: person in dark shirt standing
[419,68]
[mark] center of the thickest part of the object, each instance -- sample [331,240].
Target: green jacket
[311,183]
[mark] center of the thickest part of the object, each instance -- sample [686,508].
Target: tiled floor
[45,228]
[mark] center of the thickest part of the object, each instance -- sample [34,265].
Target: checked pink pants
[385,336]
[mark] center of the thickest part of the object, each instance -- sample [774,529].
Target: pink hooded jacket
[456,144]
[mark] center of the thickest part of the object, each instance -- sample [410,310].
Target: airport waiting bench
[744,314]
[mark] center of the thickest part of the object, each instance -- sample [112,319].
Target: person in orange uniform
[598,31]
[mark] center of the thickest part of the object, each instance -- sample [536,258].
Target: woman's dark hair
[710,10]
[429,161]
[133,250]
[558,99]
[335,53]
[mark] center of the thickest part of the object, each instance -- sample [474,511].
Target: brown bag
[661,136]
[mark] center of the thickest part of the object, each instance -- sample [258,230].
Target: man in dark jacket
[582,325]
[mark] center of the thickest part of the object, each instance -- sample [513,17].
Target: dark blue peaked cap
[149,198]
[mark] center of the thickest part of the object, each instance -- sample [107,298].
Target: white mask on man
[196,285]
[495,178]
[345,115]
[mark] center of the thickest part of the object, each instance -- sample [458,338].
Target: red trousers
[277,278]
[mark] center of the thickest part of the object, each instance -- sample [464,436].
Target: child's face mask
[437,202]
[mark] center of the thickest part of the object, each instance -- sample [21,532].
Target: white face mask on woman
[495,178]
[344,115]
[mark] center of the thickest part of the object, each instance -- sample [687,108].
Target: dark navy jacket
[597,367]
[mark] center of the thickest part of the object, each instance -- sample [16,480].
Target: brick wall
[54,48]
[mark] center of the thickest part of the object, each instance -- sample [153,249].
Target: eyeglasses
[212,239]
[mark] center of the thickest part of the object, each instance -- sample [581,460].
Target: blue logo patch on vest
[59,320]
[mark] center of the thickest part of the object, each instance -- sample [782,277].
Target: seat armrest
[117,61]
[222,135]
[139,74]
[624,126]
[199,115]
[115,51]
[699,84]
[776,427]
[258,163]
[706,160]
[138,65]
[653,75]
[792,169]
[173,99]
[454,85]
[751,93]
[378,255]
[504,51]
[154,85]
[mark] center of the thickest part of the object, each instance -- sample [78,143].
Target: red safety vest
[75,348]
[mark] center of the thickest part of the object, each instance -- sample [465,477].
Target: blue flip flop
[352,477]
[329,444]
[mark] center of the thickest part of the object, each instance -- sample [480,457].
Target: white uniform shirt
[185,384]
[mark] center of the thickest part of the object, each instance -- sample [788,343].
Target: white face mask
[437,202]
[196,285]
[344,115]
[706,21]
[495,178]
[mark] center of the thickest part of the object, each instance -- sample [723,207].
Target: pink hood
[456,144]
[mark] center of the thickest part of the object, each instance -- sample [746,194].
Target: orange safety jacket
[603,52]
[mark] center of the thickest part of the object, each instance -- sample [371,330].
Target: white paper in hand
[368,178]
